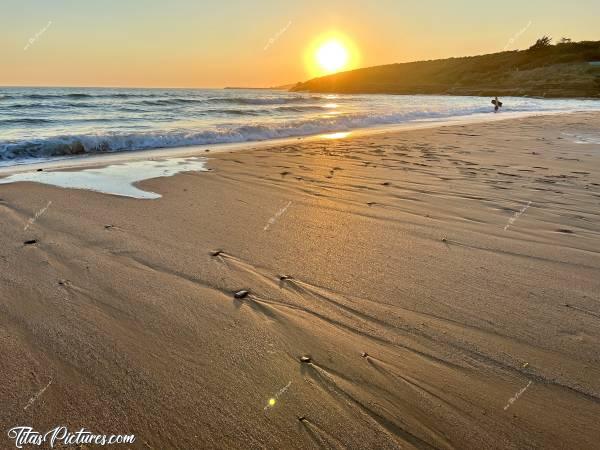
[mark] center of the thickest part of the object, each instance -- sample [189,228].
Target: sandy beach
[433,288]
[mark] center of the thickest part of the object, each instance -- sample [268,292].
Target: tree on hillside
[565,40]
[542,42]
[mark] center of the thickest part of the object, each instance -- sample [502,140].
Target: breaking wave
[119,141]
[56,122]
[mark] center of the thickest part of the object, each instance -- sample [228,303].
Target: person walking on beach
[497,104]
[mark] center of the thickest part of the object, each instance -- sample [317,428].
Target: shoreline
[102,159]
[429,288]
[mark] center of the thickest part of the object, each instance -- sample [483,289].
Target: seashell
[241,294]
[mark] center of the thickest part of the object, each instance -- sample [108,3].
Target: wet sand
[443,286]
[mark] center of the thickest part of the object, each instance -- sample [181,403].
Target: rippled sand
[442,286]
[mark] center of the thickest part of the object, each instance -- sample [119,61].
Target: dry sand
[120,320]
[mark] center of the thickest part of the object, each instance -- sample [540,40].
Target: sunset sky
[179,43]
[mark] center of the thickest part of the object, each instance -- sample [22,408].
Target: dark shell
[241,294]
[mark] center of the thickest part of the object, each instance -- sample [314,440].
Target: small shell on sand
[241,294]
[305,359]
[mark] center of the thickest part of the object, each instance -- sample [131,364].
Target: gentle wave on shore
[57,122]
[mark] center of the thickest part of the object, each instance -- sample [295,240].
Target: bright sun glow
[332,56]
[331,52]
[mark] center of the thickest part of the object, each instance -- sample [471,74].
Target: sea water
[49,123]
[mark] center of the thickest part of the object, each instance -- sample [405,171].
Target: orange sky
[256,43]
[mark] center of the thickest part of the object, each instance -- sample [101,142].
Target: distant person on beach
[497,104]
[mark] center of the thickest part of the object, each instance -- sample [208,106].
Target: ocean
[38,124]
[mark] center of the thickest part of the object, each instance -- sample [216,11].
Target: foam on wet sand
[116,179]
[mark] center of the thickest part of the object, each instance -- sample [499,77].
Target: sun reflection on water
[339,135]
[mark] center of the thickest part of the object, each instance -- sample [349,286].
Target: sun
[331,52]
[332,56]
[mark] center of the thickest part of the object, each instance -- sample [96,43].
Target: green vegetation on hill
[562,70]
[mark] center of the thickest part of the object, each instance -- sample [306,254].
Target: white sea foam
[116,179]
[583,138]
